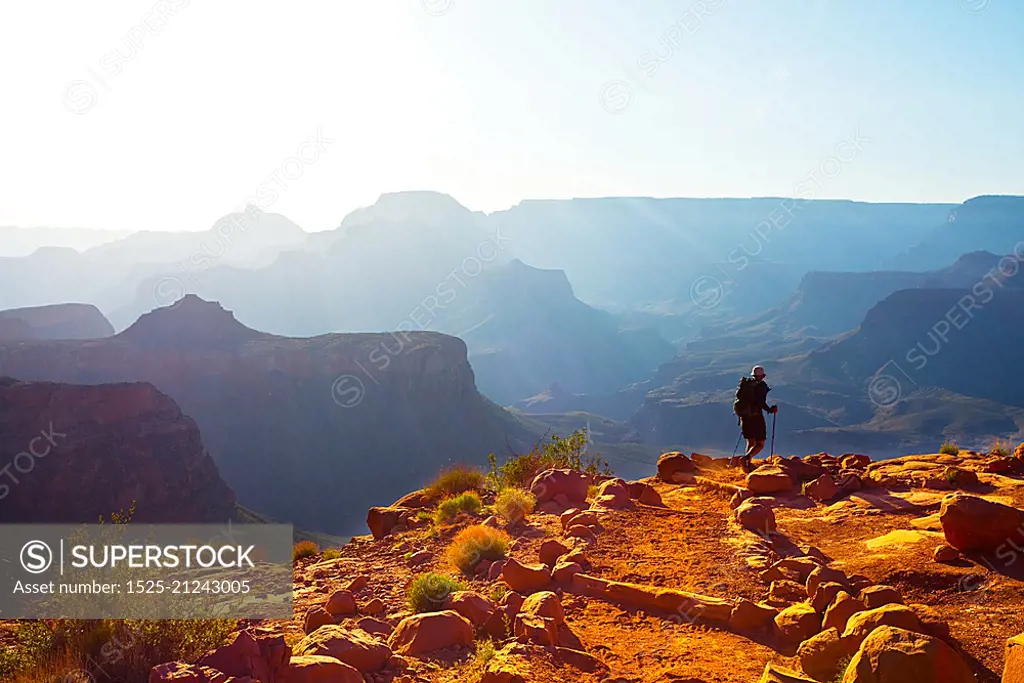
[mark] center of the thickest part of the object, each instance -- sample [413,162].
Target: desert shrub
[304,549]
[110,650]
[457,480]
[841,669]
[1001,448]
[949,448]
[428,592]
[568,453]
[499,592]
[332,553]
[449,508]
[475,544]
[514,504]
[473,669]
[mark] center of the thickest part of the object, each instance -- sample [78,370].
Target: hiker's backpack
[746,403]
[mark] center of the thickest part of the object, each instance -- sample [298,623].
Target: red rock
[843,607]
[564,571]
[494,572]
[581,532]
[131,446]
[999,465]
[355,648]
[877,596]
[797,623]
[525,578]
[821,655]
[822,489]
[862,623]
[180,672]
[1013,669]
[315,618]
[568,515]
[357,584]
[383,520]
[586,519]
[855,461]
[374,627]
[540,620]
[613,495]
[674,466]
[421,557]
[416,500]
[649,496]
[755,517]
[748,616]
[825,596]
[472,606]
[550,551]
[422,634]
[341,604]
[375,606]
[769,479]
[973,523]
[932,623]
[895,654]
[548,484]
[320,669]
[822,575]
[702,461]
[740,496]
[253,653]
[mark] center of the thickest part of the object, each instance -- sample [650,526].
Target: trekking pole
[774,415]
[737,446]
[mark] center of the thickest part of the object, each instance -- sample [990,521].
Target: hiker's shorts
[754,427]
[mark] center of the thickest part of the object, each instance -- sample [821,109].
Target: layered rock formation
[309,431]
[72,453]
[61,321]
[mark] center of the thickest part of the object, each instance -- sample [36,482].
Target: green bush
[1001,448]
[949,448]
[450,508]
[332,553]
[304,549]
[456,480]
[514,504]
[428,592]
[568,453]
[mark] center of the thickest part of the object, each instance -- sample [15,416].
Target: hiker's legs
[754,447]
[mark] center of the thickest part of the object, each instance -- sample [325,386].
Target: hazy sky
[493,102]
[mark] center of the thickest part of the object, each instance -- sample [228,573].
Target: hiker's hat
[758,371]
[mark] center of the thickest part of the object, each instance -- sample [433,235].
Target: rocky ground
[696,575]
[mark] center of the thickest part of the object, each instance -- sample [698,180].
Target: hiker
[751,399]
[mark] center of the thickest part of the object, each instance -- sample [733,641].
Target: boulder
[894,655]
[421,634]
[796,623]
[645,494]
[755,517]
[525,578]
[770,479]
[877,596]
[822,489]
[838,614]
[826,595]
[862,623]
[374,607]
[785,592]
[472,606]
[574,517]
[357,584]
[551,550]
[971,523]
[374,627]
[945,553]
[792,568]
[581,532]
[613,494]
[416,500]
[854,461]
[932,623]
[822,575]
[674,467]
[821,654]
[315,618]
[798,468]
[341,604]
[1013,668]
[999,465]
[259,655]
[420,557]
[750,616]
[740,496]
[773,673]
[353,647]
[550,483]
[383,520]
[540,620]
[321,669]
[564,571]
